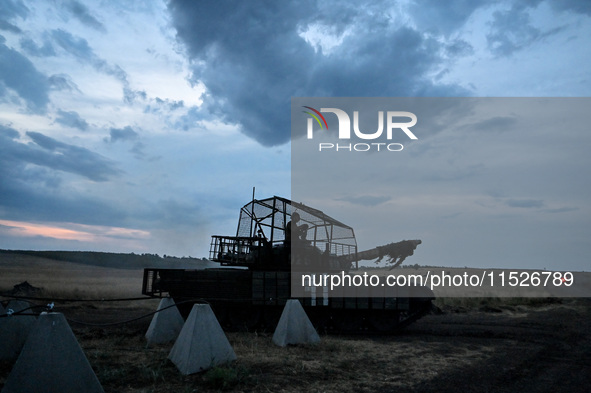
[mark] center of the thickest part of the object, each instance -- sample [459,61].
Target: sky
[490,182]
[143,126]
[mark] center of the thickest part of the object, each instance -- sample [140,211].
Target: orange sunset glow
[90,233]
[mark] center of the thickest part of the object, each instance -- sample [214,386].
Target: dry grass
[441,356]
[68,280]
[350,364]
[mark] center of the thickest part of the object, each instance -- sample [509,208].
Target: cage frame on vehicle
[262,229]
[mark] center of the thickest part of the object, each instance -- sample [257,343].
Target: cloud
[77,47]
[9,9]
[24,199]
[5,25]
[20,75]
[31,180]
[70,231]
[511,30]
[122,134]
[32,49]
[62,82]
[81,50]
[127,134]
[171,104]
[459,47]
[8,133]
[444,17]
[71,119]
[253,59]
[582,7]
[69,158]
[51,154]
[138,150]
[81,12]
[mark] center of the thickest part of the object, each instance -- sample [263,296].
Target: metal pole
[252,213]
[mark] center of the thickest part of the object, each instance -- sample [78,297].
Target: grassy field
[68,280]
[472,344]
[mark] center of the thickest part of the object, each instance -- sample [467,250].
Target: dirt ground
[505,348]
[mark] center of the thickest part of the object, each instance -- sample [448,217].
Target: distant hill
[118,260]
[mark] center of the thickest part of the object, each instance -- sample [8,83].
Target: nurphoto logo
[393,123]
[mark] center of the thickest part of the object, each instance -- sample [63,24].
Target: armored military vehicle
[277,242]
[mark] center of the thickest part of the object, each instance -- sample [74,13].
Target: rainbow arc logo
[316,117]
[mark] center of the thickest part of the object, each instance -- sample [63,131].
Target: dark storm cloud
[20,75]
[50,154]
[83,15]
[31,192]
[13,156]
[69,158]
[71,119]
[24,199]
[253,59]
[9,9]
